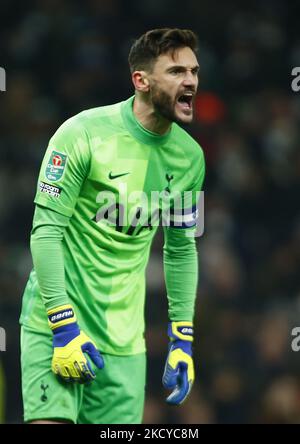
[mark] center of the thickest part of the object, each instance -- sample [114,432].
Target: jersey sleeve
[64,168]
[184,214]
[180,261]
[180,256]
[47,255]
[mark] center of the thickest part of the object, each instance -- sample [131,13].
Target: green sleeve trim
[65,211]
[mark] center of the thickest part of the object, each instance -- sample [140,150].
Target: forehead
[182,56]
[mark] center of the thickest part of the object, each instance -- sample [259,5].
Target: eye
[175,71]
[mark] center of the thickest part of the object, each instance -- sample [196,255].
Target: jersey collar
[137,130]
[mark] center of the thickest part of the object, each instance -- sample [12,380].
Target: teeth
[186,98]
[186,95]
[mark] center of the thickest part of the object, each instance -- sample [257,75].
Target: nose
[190,79]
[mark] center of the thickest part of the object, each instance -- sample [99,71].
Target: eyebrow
[183,68]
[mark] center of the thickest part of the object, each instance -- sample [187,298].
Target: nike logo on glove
[115,176]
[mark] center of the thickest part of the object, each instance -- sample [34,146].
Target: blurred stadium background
[64,56]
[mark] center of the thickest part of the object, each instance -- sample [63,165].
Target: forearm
[181,274]
[47,254]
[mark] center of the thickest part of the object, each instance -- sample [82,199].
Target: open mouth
[186,100]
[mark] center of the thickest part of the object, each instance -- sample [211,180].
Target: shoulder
[101,112]
[191,147]
[88,122]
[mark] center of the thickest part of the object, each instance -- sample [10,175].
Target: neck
[144,112]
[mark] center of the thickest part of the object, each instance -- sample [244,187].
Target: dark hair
[152,44]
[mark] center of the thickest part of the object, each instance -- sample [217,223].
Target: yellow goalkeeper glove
[70,345]
[179,369]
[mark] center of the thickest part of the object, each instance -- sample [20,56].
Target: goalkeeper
[82,336]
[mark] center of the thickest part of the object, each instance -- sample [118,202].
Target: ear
[140,81]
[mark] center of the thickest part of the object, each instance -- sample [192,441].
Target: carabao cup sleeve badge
[56,166]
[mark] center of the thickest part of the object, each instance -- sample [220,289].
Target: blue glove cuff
[64,334]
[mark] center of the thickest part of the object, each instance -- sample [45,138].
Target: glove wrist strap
[181,330]
[61,316]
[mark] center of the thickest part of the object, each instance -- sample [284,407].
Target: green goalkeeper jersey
[112,178]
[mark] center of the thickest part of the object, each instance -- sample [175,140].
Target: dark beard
[163,105]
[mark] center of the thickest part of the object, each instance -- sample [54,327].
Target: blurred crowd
[65,56]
